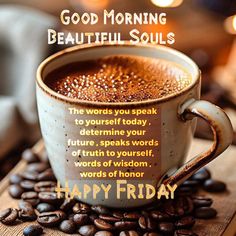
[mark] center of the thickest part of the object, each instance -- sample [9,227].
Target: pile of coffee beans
[38,202]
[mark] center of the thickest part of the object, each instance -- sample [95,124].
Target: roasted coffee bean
[87,230]
[201,175]
[103,225]
[67,226]
[9,216]
[15,179]
[27,185]
[67,204]
[109,218]
[187,205]
[29,156]
[99,209]
[118,214]
[160,216]
[37,167]
[81,219]
[205,213]
[31,197]
[125,225]
[33,230]
[151,234]
[15,191]
[129,233]
[49,197]
[44,207]
[47,175]
[174,208]
[185,222]
[166,227]
[190,183]
[30,175]
[51,219]
[103,233]
[199,201]
[26,212]
[81,208]
[184,232]
[214,186]
[186,190]
[132,215]
[45,186]
[147,223]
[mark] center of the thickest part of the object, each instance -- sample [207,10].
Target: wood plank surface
[223,168]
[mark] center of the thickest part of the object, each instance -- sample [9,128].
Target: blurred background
[205,30]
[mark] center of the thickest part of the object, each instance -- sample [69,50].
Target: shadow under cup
[173,134]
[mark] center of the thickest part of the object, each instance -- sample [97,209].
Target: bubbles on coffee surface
[119,78]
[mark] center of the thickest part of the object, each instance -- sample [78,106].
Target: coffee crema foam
[119,78]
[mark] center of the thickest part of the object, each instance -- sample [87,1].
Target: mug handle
[222,131]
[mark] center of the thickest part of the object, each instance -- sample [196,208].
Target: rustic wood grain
[223,225]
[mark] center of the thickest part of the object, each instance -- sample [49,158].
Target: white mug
[174,127]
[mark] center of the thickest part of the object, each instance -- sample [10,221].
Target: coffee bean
[118,214]
[15,179]
[125,225]
[15,191]
[49,197]
[44,207]
[202,201]
[103,233]
[30,175]
[109,218]
[185,222]
[201,175]
[29,156]
[160,216]
[205,213]
[31,197]
[81,208]
[187,205]
[184,232]
[47,175]
[37,167]
[67,226]
[166,227]
[186,190]
[99,209]
[51,219]
[33,230]
[9,216]
[67,204]
[214,186]
[174,208]
[190,183]
[132,215]
[81,219]
[27,185]
[87,230]
[147,223]
[103,225]
[45,186]
[26,212]
[129,233]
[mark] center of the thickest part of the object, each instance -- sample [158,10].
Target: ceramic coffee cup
[173,126]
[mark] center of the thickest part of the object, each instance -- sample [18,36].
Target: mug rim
[52,93]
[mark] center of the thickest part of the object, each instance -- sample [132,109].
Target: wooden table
[223,169]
